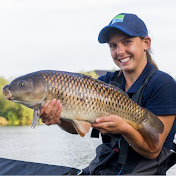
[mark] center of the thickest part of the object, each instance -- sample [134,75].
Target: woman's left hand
[110,124]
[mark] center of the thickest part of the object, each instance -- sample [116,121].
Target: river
[49,145]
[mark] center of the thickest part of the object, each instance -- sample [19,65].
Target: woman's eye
[112,46]
[127,42]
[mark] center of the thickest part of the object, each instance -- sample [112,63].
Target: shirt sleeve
[161,95]
[107,77]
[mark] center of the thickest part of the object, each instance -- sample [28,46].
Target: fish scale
[86,88]
[84,99]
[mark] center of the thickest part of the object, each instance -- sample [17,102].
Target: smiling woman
[128,53]
[62,35]
[121,43]
[125,149]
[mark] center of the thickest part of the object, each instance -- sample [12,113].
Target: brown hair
[149,58]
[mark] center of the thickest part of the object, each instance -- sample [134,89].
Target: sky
[63,35]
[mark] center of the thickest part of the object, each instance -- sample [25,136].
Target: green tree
[93,74]
[12,118]
[3,104]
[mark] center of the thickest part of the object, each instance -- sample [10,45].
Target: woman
[129,44]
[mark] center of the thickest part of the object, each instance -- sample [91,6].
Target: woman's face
[129,53]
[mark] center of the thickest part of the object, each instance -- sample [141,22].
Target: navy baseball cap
[128,23]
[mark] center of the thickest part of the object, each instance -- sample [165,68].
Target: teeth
[125,60]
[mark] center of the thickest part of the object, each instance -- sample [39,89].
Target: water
[49,145]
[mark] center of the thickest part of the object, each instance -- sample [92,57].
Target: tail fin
[151,129]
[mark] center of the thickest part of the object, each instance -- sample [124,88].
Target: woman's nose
[120,50]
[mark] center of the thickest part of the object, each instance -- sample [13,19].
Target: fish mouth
[8,96]
[7,93]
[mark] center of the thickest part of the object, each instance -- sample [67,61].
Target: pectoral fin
[36,116]
[35,120]
[81,127]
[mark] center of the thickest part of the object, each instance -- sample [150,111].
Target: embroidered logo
[118,18]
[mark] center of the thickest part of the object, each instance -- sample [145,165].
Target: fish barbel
[84,99]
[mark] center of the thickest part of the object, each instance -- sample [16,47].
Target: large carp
[84,99]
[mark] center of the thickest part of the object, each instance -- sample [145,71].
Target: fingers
[108,124]
[105,119]
[102,124]
[102,128]
[44,107]
[56,117]
[50,113]
[55,105]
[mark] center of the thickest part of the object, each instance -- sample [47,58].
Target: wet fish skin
[84,99]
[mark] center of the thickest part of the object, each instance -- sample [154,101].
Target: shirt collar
[136,85]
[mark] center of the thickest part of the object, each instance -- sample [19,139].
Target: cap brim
[103,35]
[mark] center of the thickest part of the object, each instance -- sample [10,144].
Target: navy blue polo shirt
[159,96]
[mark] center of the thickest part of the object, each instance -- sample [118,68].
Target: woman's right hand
[50,115]
[50,112]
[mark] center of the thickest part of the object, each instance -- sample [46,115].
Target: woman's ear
[147,43]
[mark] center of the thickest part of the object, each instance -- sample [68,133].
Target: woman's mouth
[123,60]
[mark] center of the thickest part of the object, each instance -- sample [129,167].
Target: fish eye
[21,84]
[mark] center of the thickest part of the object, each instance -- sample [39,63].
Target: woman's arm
[116,125]
[50,114]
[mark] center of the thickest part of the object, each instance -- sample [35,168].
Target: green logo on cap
[118,18]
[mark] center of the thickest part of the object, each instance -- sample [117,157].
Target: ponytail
[149,58]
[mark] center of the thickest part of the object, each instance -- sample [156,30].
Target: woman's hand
[116,125]
[110,124]
[50,112]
